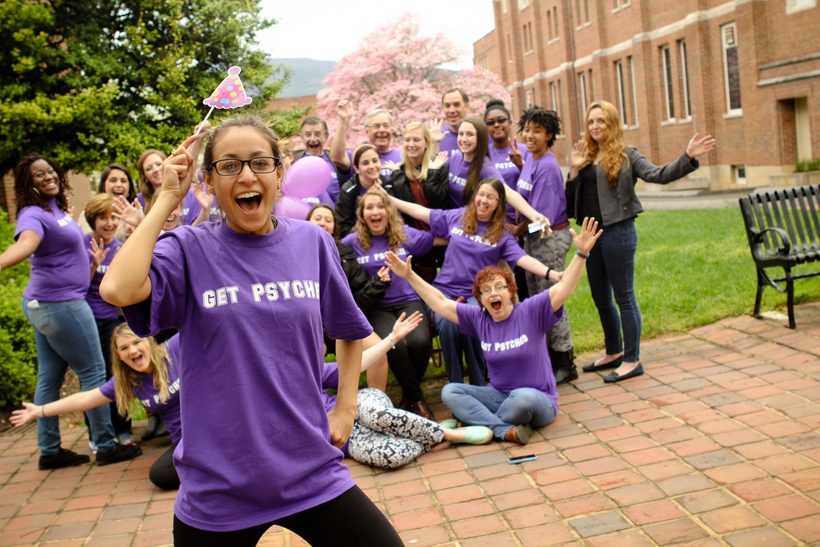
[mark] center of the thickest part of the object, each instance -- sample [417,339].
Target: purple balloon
[292,208]
[306,178]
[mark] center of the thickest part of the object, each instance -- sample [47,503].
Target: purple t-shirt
[417,243]
[394,155]
[467,255]
[148,395]
[515,348]
[542,185]
[59,265]
[101,308]
[449,143]
[508,170]
[250,310]
[459,167]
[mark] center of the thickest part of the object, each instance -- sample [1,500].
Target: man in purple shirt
[379,126]
[454,104]
[314,136]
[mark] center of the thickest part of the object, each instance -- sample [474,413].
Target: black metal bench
[784,230]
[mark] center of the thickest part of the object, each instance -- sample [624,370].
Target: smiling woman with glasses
[522,393]
[260,165]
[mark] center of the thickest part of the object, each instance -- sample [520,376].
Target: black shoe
[615,363]
[563,367]
[119,453]
[63,458]
[615,377]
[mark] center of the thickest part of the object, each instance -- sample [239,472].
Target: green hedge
[18,353]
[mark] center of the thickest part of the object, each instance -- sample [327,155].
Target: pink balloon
[292,208]
[306,178]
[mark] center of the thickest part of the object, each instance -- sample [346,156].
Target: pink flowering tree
[400,71]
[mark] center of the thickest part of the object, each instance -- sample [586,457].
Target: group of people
[255,298]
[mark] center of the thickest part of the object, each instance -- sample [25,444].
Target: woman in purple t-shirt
[479,237]
[522,391]
[143,371]
[54,303]
[251,296]
[380,229]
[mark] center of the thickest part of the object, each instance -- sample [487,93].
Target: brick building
[745,71]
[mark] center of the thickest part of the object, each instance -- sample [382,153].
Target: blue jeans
[485,405]
[611,270]
[453,344]
[66,336]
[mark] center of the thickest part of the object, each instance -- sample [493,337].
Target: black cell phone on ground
[522,459]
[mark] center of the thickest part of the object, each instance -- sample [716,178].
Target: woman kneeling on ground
[522,392]
[142,370]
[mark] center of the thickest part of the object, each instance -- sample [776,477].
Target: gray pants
[552,252]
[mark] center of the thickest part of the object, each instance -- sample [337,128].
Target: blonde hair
[127,380]
[409,168]
[613,148]
[395,225]
[99,205]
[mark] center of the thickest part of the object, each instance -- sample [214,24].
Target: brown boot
[518,434]
[420,408]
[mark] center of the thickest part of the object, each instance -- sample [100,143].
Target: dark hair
[487,274]
[482,150]
[132,192]
[361,149]
[548,119]
[313,120]
[332,212]
[26,194]
[461,91]
[496,104]
[497,224]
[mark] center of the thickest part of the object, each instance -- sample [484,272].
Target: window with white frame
[634,90]
[554,96]
[731,68]
[666,76]
[582,93]
[620,87]
[684,74]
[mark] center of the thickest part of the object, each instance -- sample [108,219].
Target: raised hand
[441,159]
[384,273]
[435,130]
[130,213]
[403,326]
[515,155]
[392,165]
[178,171]
[98,252]
[344,109]
[28,413]
[205,199]
[698,147]
[585,240]
[579,154]
[398,266]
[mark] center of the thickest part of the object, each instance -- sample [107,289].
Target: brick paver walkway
[717,444]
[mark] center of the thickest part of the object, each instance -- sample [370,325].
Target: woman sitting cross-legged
[522,392]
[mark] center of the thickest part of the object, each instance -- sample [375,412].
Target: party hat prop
[229,94]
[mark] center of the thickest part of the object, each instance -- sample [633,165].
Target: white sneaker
[125,439]
[92,447]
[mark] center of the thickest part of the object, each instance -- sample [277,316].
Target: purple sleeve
[29,220]
[341,317]
[442,219]
[107,389]
[511,251]
[349,239]
[330,376]
[467,315]
[420,241]
[488,169]
[165,308]
[540,306]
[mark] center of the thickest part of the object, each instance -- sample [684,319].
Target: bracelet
[390,337]
[548,273]
[582,255]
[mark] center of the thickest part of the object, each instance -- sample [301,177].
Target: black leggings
[350,519]
[412,354]
[163,473]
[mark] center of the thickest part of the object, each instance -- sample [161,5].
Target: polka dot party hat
[230,93]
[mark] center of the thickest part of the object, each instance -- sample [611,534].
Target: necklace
[499,156]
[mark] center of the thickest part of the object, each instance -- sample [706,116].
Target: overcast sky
[330,29]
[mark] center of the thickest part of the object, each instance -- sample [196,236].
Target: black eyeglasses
[260,165]
[499,121]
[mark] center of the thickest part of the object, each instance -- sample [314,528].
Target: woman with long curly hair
[601,185]
[479,237]
[379,228]
[54,303]
[143,371]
